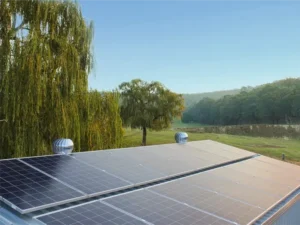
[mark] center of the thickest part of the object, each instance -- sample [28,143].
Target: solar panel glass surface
[144,164]
[78,174]
[161,210]
[28,189]
[95,213]
[217,204]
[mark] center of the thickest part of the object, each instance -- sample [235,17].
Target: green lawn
[178,124]
[273,147]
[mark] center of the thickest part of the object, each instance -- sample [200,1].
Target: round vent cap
[63,146]
[181,137]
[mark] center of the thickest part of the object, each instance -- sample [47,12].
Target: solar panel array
[65,178]
[232,194]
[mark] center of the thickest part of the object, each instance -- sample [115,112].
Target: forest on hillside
[274,103]
[192,99]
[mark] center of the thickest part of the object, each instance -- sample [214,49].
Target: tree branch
[16,29]
[157,117]
[14,20]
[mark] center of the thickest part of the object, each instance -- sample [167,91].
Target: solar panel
[251,195]
[239,192]
[219,149]
[269,182]
[144,164]
[280,164]
[293,170]
[270,172]
[231,209]
[79,175]
[177,159]
[160,210]
[26,189]
[121,165]
[91,214]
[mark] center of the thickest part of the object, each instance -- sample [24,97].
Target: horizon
[193,47]
[240,87]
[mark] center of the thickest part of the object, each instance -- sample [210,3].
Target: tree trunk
[144,136]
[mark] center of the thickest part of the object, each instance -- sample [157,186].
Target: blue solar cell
[78,174]
[91,214]
[29,190]
[161,210]
[218,204]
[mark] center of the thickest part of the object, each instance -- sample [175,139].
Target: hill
[192,99]
[273,103]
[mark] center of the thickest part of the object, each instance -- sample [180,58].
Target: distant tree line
[192,99]
[275,103]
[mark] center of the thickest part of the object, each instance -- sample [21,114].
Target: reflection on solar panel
[246,173]
[251,195]
[79,175]
[219,149]
[220,205]
[143,164]
[281,168]
[90,214]
[28,189]
[239,192]
[121,164]
[160,210]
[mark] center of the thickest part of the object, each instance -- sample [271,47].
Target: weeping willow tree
[149,105]
[45,59]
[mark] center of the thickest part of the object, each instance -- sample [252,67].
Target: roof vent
[181,137]
[63,146]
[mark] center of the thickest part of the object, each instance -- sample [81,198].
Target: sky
[194,46]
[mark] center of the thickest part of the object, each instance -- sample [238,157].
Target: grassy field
[178,124]
[272,147]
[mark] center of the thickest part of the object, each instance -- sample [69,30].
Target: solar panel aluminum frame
[59,210]
[90,202]
[267,222]
[33,209]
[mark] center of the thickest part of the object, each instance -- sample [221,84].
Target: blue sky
[194,46]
